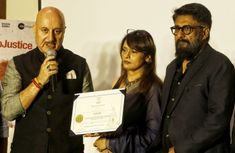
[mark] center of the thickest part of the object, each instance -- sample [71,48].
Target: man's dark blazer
[233,137]
[200,116]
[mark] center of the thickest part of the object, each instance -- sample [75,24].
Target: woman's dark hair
[142,41]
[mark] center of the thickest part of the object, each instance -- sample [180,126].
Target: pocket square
[71,75]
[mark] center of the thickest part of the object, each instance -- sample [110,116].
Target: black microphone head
[51,52]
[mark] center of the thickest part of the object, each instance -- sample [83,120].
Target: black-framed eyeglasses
[186,29]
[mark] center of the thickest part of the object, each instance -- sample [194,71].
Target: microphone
[53,78]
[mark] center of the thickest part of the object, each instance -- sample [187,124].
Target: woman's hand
[101,144]
[106,151]
[172,150]
[91,135]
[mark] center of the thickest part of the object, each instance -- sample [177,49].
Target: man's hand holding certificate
[99,111]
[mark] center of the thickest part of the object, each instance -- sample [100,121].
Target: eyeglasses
[186,29]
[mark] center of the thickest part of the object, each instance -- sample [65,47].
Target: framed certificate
[99,111]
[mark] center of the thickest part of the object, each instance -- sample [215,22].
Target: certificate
[99,111]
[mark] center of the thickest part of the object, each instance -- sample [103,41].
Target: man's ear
[205,33]
[148,59]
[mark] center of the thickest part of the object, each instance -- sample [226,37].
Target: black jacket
[46,125]
[200,116]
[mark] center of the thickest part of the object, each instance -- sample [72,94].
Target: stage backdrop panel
[16,37]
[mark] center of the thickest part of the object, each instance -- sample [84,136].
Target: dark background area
[2,9]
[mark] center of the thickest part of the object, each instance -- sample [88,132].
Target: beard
[187,50]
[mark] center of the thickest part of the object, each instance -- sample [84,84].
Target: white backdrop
[96,27]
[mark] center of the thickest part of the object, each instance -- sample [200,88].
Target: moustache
[182,41]
[50,43]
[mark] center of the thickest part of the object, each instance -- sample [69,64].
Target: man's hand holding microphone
[48,70]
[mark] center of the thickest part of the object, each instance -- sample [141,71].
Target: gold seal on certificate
[79,118]
[99,111]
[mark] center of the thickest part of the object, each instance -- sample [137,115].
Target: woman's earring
[148,59]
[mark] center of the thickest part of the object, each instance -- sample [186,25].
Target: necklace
[131,83]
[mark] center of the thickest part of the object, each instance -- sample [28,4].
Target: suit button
[172,99]
[48,112]
[167,136]
[168,116]
[178,83]
[49,96]
[48,130]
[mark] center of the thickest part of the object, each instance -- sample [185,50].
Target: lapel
[167,84]
[194,68]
